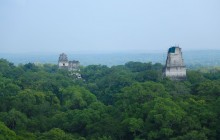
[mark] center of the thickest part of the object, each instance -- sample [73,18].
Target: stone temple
[72,66]
[63,62]
[174,67]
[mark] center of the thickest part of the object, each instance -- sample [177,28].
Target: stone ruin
[174,67]
[72,66]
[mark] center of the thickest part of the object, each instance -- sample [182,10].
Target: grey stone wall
[174,67]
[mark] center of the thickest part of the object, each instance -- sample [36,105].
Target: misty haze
[109,70]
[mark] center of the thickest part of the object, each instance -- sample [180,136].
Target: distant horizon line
[106,52]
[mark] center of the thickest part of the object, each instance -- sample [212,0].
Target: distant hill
[191,58]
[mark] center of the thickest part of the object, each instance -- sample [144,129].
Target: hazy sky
[74,26]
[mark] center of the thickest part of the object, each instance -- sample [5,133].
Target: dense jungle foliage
[125,102]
